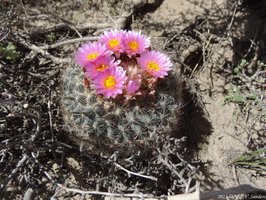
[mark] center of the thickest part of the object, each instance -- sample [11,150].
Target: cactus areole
[121,93]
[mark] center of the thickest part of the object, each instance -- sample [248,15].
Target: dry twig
[134,173]
[14,172]
[118,196]
[172,169]
[44,53]
[71,41]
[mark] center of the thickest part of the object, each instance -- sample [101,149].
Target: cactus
[119,94]
[109,123]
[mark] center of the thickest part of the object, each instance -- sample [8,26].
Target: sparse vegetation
[248,93]
[252,160]
[51,37]
[9,52]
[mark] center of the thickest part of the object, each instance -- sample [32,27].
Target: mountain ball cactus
[123,93]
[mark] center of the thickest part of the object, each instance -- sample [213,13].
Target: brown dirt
[223,145]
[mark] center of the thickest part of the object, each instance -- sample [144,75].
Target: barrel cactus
[123,93]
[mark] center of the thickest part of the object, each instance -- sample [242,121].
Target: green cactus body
[109,124]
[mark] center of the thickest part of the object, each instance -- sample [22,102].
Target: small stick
[71,41]
[135,174]
[119,23]
[118,196]
[20,163]
[50,116]
[28,194]
[43,52]
[171,168]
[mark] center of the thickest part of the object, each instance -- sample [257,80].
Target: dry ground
[224,143]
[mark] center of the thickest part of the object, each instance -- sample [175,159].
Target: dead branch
[133,196]
[172,169]
[50,116]
[83,27]
[71,41]
[28,194]
[113,196]
[38,122]
[44,53]
[119,23]
[240,192]
[229,31]
[14,172]
[134,173]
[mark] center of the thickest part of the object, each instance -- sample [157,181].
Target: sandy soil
[223,145]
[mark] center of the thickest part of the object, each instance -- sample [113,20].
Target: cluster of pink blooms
[121,63]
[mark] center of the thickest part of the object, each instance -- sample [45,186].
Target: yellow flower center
[92,56]
[133,45]
[101,67]
[153,66]
[109,82]
[113,43]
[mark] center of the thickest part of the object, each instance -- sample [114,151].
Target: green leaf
[51,37]
[240,66]
[9,51]
[254,159]
[243,63]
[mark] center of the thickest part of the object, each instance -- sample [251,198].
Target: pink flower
[90,52]
[113,40]
[133,86]
[93,69]
[110,83]
[155,63]
[135,43]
